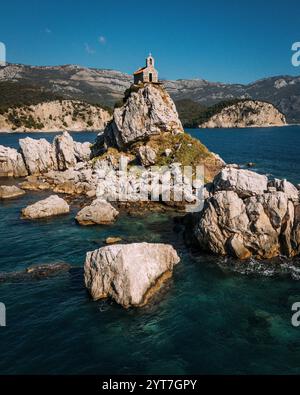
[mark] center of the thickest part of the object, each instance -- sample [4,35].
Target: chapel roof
[139,70]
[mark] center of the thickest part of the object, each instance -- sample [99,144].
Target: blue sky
[228,41]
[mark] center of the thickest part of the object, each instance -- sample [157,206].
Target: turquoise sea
[207,319]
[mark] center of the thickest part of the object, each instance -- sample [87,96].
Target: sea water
[206,320]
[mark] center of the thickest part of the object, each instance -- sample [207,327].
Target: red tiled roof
[139,70]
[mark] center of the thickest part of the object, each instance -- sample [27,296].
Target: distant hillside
[103,87]
[190,112]
[106,87]
[244,113]
[193,114]
[55,115]
[18,94]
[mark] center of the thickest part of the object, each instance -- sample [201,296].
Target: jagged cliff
[147,110]
[148,128]
[57,115]
[247,113]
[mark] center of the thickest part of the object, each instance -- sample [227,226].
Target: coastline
[50,131]
[251,127]
[101,130]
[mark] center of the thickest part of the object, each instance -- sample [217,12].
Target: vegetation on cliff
[193,114]
[15,95]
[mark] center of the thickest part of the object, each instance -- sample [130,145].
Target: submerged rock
[243,218]
[53,205]
[8,192]
[35,272]
[112,240]
[99,212]
[130,274]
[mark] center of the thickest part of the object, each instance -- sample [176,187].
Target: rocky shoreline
[245,215]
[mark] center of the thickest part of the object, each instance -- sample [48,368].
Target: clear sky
[227,41]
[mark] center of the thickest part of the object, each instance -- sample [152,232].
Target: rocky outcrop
[147,128]
[245,183]
[82,151]
[64,166]
[39,155]
[9,192]
[285,186]
[99,212]
[248,113]
[54,116]
[65,152]
[148,110]
[130,274]
[80,180]
[11,163]
[247,216]
[52,206]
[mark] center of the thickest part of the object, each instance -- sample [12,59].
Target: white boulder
[53,205]
[39,155]
[8,192]
[130,274]
[244,182]
[11,163]
[99,212]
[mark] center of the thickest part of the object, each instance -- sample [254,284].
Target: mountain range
[106,87]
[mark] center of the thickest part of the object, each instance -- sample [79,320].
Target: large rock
[64,150]
[80,180]
[99,212]
[82,151]
[147,155]
[11,163]
[68,152]
[285,186]
[148,110]
[39,155]
[242,222]
[130,274]
[244,182]
[8,192]
[53,205]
